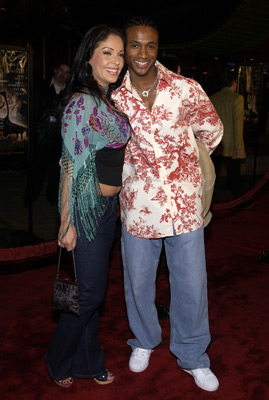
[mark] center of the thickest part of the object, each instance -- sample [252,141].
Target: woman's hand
[68,239]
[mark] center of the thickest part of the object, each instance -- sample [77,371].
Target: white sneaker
[139,359]
[204,378]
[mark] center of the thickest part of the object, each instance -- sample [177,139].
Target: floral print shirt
[162,182]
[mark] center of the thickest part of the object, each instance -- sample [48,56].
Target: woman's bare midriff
[109,190]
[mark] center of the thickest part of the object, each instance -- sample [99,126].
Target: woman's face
[107,60]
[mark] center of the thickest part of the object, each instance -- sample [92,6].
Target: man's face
[61,74]
[141,49]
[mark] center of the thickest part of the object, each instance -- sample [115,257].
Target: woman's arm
[67,235]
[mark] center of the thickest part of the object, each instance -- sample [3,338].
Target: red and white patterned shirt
[162,182]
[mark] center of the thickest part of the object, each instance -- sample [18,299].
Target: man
[161,201]
[46,143]
[231,150]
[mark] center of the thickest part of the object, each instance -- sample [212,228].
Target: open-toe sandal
[64,383]
[104,379]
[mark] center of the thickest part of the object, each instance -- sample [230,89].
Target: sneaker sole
[137,370]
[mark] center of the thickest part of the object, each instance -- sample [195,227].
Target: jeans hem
[91,376]
[199,366]
[49,370]
[133,347]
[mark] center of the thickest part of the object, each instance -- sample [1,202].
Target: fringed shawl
[86,128]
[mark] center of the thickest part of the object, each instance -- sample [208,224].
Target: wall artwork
[14,100]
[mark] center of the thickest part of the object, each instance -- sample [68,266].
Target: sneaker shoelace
[142,352]
[206,371]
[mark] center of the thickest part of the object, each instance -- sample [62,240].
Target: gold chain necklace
[145,93]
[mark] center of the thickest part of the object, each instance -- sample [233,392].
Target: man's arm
[204,119]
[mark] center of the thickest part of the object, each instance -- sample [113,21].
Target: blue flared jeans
[74,349]
[185,254]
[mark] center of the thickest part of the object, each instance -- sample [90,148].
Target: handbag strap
[59,262]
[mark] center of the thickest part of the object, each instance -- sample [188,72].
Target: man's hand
[235,154]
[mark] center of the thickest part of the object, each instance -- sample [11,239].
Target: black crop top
[109,165]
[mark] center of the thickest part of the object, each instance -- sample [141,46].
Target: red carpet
[239,316]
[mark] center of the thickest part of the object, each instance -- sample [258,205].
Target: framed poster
[15,71]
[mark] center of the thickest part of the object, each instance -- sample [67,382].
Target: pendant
[145,93]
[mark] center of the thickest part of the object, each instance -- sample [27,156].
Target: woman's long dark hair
[81,78]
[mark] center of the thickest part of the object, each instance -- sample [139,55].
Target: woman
[94,135]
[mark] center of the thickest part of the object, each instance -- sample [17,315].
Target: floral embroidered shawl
[86,128]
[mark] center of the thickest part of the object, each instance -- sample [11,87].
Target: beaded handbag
[66,293]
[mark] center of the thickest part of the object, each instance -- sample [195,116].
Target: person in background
[264,114]
[46,143]
[161,202]
[94,136]
[231,150]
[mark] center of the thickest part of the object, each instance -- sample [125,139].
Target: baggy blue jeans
[74,349]
[185,254]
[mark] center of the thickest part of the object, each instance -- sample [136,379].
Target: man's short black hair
[140,21]
[228,78]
